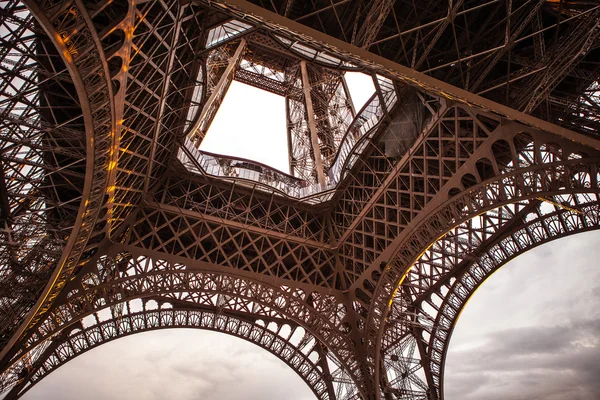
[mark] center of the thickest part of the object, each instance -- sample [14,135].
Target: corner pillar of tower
[352,319]
[288,128]
[312,124]
[218,93]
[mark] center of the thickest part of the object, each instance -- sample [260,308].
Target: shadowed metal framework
[480,142]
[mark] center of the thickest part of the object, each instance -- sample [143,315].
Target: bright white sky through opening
[361,88]
[250,123]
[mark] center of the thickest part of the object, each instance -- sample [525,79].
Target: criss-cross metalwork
[479,142]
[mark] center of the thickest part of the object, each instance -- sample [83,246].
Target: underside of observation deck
[352,266]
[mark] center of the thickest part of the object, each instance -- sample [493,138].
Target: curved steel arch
[432,296]
[467,281]
[125,277]
[528,169]
[70,33]
[292,345]
[151,94]
[89,54]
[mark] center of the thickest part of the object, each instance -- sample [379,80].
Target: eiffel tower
[352,267]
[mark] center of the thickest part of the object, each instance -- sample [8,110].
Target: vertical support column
[4,206]
[312,125]
[348,95]
[380,95]
[215,98]
[288,127]
[164,95]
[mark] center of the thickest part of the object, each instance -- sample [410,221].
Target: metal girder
[258,80]
[378,12]
[542,180]
[486,156]
[508,42]
[215,99]
[171,59]
[4,206]
[245,207]
[282,338]
[38,209]
[96,105]
[190,236]
[147,135]
[312,125]
[363,58]
[487,42]
[399,191]
[124,276]
[563,59]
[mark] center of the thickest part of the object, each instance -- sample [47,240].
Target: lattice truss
[274,64]
[532,55]
[42,163]
[353,266]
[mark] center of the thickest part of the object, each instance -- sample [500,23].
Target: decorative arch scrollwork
[290,343]
[519,175]
[433,294]
[119,279]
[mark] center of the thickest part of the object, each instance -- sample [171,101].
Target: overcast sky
[531,332]
[233,132]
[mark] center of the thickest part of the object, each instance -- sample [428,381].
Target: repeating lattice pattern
[355,274]
[537,56]
[440,283]
[532,169]
[292,344]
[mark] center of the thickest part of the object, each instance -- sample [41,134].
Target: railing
[362,129]
[314,55]
[365,121]
[226,31]
[358,135]
[239,168]
[388,92]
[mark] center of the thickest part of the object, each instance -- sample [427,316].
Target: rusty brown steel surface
[95,99]
[398,71]
[292,344]
[368,251]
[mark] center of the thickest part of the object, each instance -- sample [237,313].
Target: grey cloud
[530,362]
[544,339]
[531,340]
[533,331]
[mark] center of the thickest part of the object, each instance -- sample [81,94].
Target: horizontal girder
[518,53]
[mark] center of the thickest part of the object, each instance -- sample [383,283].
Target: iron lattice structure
[480,142]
